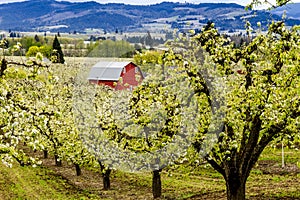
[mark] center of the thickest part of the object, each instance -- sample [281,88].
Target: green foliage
[32,51]
[109,48]
[148,60]
[44,50]
[27,42]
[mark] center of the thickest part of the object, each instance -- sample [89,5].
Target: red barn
[118,75]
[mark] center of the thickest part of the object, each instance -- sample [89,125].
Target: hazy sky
[147,2]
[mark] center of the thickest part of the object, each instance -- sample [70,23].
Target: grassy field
[267,181]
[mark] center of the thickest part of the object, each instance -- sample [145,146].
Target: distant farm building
[117,75]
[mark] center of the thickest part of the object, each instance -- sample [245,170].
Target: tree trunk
[105,176]
[45,154]
[3,66]
[78,169]
[156,184]
[57,161]
[106,179]
[235,188]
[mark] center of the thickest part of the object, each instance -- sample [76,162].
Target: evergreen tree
[149,40]
[57,52]
[36,38]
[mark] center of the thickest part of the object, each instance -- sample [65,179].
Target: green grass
[183,182]
[274,154]
[36,183]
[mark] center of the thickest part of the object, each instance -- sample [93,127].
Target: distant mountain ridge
[292,10]
[43,15]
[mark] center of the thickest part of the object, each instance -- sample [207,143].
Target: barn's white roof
[109,71]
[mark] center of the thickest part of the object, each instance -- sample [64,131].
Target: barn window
[124,70]
[136,70]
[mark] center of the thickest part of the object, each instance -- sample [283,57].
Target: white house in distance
[117,75]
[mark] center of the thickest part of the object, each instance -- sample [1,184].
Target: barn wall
[111,84]
[129,77]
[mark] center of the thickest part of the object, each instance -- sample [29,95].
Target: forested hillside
[41,15]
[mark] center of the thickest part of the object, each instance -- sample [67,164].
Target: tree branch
[215,165]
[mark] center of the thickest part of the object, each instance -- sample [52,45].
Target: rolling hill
[44,15]
[292,10]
